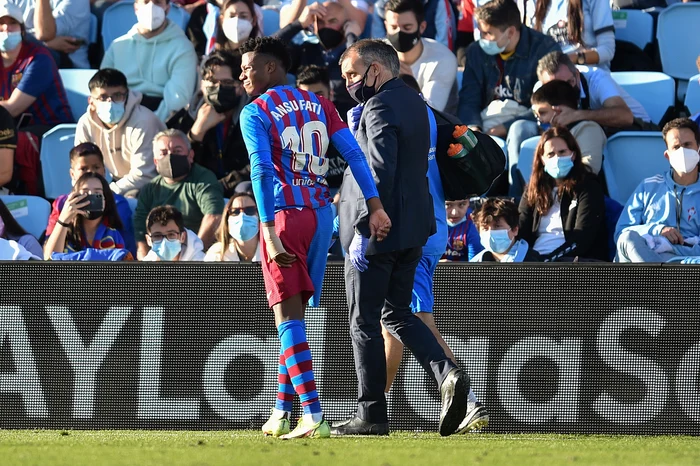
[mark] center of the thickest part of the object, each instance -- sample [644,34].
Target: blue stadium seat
[271,20]
[55,164]
[629,158]
[655,91]
[92,38]
[678,45]
[527,156]
[133,202]
[120,17]
[76,85]
[635,26]
[31,212]
[692,97]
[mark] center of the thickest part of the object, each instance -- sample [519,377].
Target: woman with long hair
[89,219]
[562,213]
[238,238]
[12,231]
[583,28]
[238,22]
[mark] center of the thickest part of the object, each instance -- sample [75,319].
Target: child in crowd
[462,237]
[168,238]
[497,221]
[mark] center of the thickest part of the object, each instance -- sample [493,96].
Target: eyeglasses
[236,211]
[171,235]
[222,82]
[116,97]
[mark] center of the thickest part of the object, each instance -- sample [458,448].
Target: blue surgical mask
[496,241]
[543,126]
[10,40]
[243,227]
[490,47]
[559,167]
[109,112]
[167,250]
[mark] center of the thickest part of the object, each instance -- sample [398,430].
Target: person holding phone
[89,219]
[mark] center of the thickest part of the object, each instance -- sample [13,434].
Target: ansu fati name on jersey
[295,106]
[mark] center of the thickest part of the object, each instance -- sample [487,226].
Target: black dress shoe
[356,426]
[453,392]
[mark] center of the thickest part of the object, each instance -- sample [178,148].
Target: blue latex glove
[354,115]
[358,247]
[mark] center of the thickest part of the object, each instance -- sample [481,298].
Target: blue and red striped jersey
[463,241]
[35,73]
[295,127]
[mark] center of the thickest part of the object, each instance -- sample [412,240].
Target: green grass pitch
[75,448]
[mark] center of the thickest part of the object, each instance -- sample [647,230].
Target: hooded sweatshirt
[655,205]
[162,66]
[192,251]
[128,146]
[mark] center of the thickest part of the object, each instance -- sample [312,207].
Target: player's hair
[402,6]
[75,235]
[500,14]
[493,209]
[12,227]
[410,81]
[375,51]
[219,58]
[85,149]
[270,46]
[680,123]
[313,74]
[550,63]
[556,93]
[222,42]
[222,233]
[172,133]
[162,215]
[107,77]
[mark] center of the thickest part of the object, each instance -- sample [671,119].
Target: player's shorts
[318,252]
[423,298]
[296,229]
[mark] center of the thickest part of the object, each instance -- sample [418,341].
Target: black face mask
[360,92]
[221,98]
[403,41]
[173,166]
[330,38]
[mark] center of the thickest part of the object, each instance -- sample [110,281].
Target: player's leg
[393,350]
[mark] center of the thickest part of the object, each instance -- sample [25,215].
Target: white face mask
[150,16]
[237,30]
[683,160]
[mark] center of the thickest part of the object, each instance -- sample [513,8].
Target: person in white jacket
[157,58]
[169,239]
[123,129]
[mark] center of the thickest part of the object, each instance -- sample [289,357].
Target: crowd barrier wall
[549,348]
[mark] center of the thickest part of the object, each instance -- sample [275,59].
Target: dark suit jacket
[394,135]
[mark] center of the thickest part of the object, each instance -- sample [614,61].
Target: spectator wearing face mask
[432,64]
[660,220]
[188,187]
[88,220]
[238,238]
[335,32]
[462,238]
[212,121]
[157,59]
[10,230]
[562,213]
[497,221]
[237,23]
[122,128]
[168,238]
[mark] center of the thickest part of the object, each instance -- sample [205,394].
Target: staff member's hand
[379,224]
[275,249]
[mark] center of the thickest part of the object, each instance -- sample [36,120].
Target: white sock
[314,418]
[279,414]
[471,397]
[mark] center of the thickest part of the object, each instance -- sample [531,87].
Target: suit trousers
[382,294]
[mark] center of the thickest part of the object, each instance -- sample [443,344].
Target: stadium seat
[133,202]
[655,91]
[76,85]
[527,156]
[93,29]
[635,26]
[31,212]
[678,45]
[55,164]
[271,20]
[629,158]
[692,96]
[119,18]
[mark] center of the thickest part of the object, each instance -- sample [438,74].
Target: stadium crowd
[160,170]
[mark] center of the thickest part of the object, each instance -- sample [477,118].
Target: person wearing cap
[29,82]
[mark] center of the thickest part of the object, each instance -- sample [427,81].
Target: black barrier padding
[550,348]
